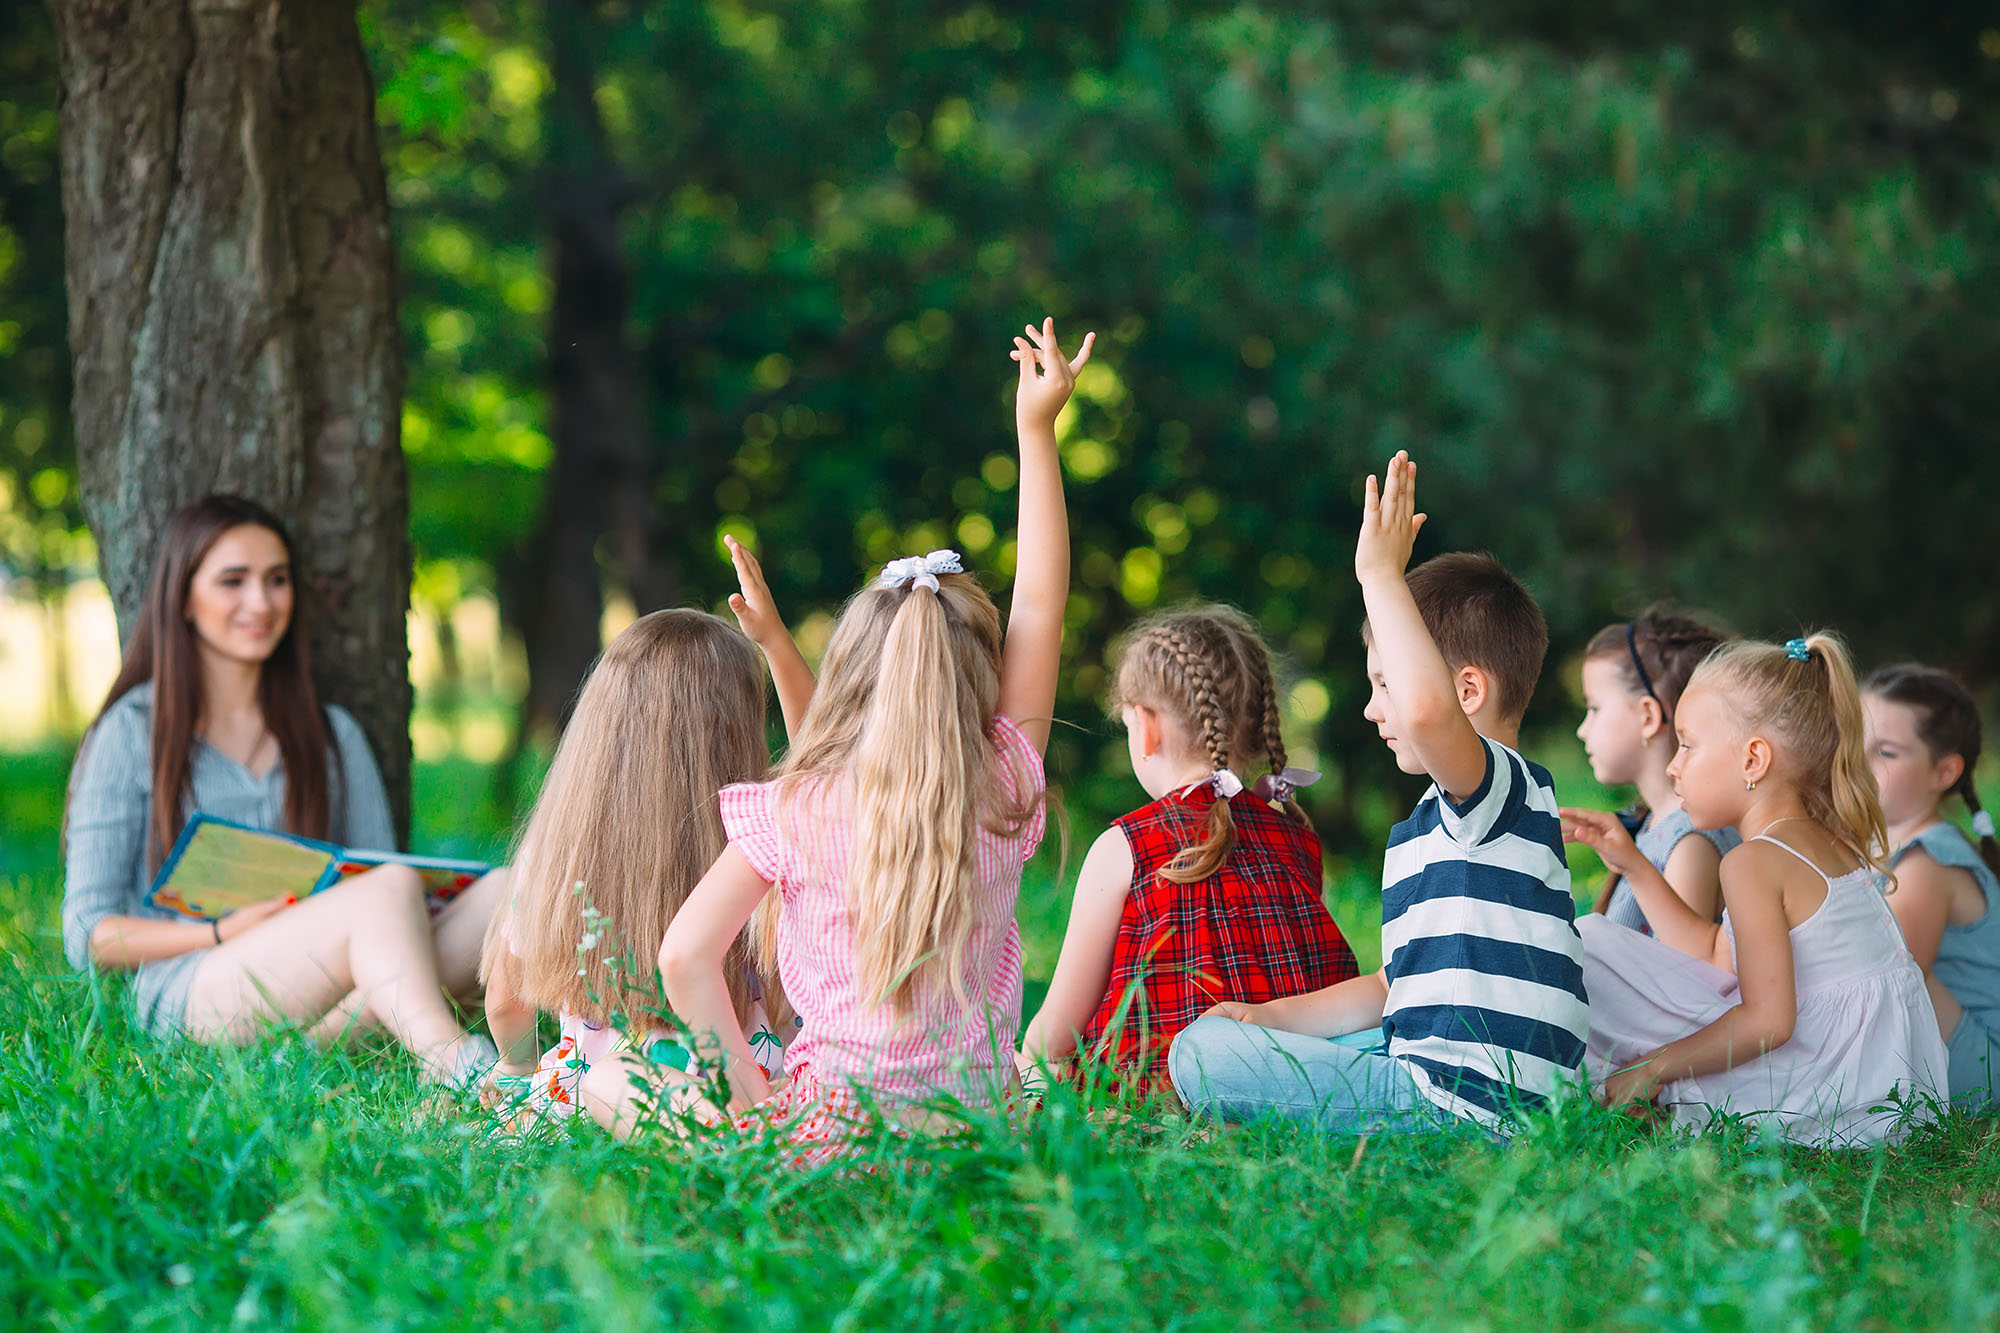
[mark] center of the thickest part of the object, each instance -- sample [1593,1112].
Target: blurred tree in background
[1668,304]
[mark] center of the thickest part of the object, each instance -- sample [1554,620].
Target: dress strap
[1765,837]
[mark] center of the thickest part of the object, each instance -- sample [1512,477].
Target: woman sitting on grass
[1210,893]
[214,710]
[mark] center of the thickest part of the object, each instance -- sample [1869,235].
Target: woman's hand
[1041,396]
[1635,1087]
[248,918]
[1600,831]
[755,611]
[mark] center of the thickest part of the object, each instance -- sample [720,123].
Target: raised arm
[691,963]
[1041,566]
[1084,967]
[757,613]
[1421,684]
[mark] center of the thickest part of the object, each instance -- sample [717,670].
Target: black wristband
[216,926]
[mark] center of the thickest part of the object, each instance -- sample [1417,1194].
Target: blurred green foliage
[1669,304]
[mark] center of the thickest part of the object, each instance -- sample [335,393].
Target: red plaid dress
[1255,930]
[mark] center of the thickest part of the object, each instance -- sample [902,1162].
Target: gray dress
[1968,965]
[1657,840]
[106,870]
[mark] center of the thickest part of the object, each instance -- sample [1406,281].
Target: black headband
[1632,647]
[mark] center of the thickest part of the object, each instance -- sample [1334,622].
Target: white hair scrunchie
[921,570]
[1982,823]
[1227,784]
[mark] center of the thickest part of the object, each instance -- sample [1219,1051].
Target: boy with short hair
[1480,1000]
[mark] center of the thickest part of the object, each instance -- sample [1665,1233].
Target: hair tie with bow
[1982,823]
[1225,782]
[1280,786]
[921,570]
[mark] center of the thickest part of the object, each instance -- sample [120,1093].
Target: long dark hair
[163,651]
[1947,723]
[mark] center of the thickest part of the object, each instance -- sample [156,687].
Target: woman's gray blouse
[1657,840]
[106,870]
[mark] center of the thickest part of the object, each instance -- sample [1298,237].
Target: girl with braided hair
[1633,675]
[1923,744]
[1211,892]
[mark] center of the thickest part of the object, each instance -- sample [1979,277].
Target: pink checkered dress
[847,1045]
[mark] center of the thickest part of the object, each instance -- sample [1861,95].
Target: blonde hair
[628,822]
[1810,707]
[1207,668]
[898,726]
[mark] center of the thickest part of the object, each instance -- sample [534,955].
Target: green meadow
[154,1185]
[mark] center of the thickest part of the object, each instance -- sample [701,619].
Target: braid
[1201,861]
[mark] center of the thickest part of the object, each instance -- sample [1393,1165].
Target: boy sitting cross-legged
[1480,1000]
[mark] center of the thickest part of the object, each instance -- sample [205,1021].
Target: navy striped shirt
[1486,1006]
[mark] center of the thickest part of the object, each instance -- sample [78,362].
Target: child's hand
[1635,1087]
[1034,1083]
[755,611]
[1601,831]
[1041,396]
[1240,1010]
[1389,522]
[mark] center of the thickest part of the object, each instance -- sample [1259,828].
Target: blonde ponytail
[899,720]
[1805,696]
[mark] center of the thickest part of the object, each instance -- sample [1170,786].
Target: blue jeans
[1342,1085]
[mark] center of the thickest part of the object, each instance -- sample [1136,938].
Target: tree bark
[232,297]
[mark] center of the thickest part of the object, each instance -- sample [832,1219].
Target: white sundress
[1865,1025]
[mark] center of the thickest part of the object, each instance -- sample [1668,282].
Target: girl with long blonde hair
[1803,1007]
[894,835]
[626,824]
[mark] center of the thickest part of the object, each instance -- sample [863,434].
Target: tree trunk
[232,299]
[600,493]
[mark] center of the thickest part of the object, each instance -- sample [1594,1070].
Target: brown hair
[1656,652]
[1480,615]
[1810,704]
[898,726]
[1947,723]
[628,820]
[1207,668]
[163,650]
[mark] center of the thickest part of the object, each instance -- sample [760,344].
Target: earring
[1749,786]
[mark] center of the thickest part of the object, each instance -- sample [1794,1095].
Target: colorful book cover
[218,866]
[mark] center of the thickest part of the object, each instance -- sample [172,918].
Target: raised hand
[755,611]
[1389,522]
[1046,377]
[1602,832]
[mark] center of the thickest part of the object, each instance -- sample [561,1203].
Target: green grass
[161,1185]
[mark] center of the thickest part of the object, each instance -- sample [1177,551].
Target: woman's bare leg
[344,1022]
[370,935]
[459,932]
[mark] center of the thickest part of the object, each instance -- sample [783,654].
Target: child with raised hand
[626,824]
[1479,1011]
[894,834]
[1633,676]
[1923,745]
[1211,892]
[1802,1008]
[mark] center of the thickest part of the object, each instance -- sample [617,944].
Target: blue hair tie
[1797,650]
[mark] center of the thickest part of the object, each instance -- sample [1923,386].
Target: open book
[217,866]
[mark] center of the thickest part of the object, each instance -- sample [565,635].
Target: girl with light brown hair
[1210,893]
[626,824]
[894,835]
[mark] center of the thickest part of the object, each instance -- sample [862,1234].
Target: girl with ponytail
[1923,744]
[1802,1007]
[1210,893]
[893,835]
